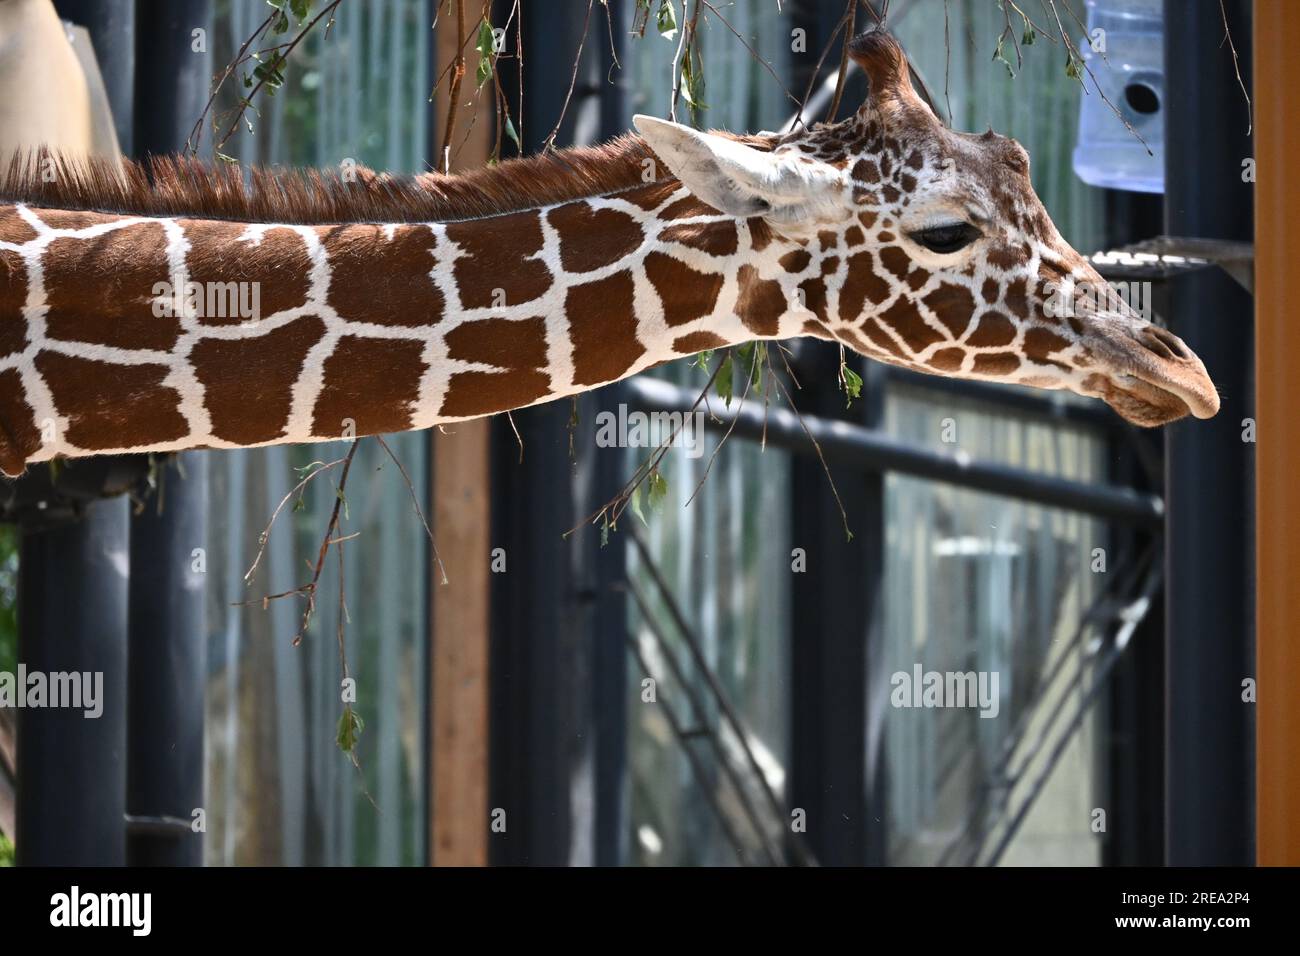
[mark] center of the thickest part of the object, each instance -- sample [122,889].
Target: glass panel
[976,583]
[725,559]
[279,789]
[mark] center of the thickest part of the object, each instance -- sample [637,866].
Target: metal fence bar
[843,443]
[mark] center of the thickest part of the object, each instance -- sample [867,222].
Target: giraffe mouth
[1155,379]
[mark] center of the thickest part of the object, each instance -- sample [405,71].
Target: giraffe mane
[183,186]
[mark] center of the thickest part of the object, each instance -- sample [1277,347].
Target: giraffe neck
[126,334]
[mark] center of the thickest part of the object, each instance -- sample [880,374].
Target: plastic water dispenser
[1125,51]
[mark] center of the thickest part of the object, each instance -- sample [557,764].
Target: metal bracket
[1166,256]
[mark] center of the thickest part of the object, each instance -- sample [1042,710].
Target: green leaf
[300,9]
[666,20]
[724,380]
[1073,67]
[1029,36]
[703,359]
[604,530]
[486,46]
[852,384]
[997,55]
[636,505]
[513,134]
[350,727]
[281,24]
[658,489]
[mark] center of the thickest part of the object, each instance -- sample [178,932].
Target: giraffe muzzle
[1152,378]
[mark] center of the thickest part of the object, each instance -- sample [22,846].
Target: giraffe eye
[946,239]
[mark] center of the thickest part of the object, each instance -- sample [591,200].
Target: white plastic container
[1124,50]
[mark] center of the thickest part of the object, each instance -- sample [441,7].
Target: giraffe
[384,303]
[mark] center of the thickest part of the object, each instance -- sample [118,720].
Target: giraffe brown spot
[994,329]
[687,294]
[868,219]
[1016,298]
[109,405]
[830,264]
[953,305]
[505,343]
[13,228]
[19,436]
[248,382]
[860,286]
[1007,256]
[278,264]
[996,363]
[697,342]
[101,290]
[858,343]
[372,382]
[13,296]
[496,268]
[1077,325]
[651,196]
[864,170]
[715,238]
[853,236]
[687,207]
[946,360]
[593,238]
[818,330]
[602,328]
[882,339]
[471,394]
[73,218]
[917,278]
[795,261]
[381,280]
[827,239]
[914,159]
[1040,343]
[910,326]
[907,182]
[760,233]
[761,303]
[895,260]
[990,290]
[812,294]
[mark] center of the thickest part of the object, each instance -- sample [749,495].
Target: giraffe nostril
[1164,343]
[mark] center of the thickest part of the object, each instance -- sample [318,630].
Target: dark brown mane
[181,186]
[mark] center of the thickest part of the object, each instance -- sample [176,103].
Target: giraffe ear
[731,177]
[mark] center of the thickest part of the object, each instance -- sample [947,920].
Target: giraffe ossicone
[388,303]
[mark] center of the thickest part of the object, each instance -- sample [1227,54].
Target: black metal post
[72,619]
[1209,468]
[167,669]
[166,611]
[837,763]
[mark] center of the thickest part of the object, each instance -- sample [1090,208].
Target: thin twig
[415,501]
[1236,65]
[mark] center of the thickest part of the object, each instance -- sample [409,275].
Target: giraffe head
[928,248]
